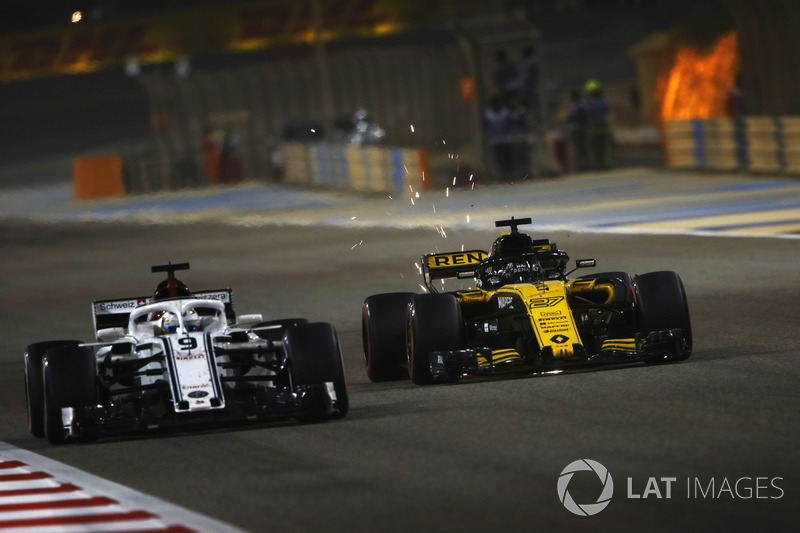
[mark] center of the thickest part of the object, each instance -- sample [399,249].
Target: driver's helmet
[490,275]
[498,272]
[191,320]
[513,244]
[520,272]
[169,322]
[170,288]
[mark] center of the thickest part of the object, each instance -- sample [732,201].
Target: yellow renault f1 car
[524,316]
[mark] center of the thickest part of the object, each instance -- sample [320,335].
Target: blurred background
[176,93]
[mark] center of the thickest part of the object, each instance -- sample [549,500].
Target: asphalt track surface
[475,456]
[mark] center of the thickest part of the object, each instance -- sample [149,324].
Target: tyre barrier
[390,170]
[758,144]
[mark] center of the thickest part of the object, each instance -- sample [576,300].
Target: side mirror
[110,334]
[249,320]
[583,263]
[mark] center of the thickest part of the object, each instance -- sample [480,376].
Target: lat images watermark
[691,488]
[586,509]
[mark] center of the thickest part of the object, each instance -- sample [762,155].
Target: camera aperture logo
[585,509]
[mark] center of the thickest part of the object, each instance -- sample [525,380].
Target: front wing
[656,346]
[149,412]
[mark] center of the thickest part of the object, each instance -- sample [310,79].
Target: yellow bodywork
[621,345]
[549,314]
[598,291]
[548,311]
[498,357]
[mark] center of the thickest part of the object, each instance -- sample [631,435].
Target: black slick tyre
[434,323]
[34,392]
[69,379]
[661,304]
[315,358]
[383,335]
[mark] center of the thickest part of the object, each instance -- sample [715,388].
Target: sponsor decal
[116,307]
[456,259]
[504,301]
[559,339]
[188,357]
[197,394]
[219,296]
[203,386]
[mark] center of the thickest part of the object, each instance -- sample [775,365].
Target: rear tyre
[69,380]
[383,334]
[316,358]
[661,304]
[34,392]
[434,323]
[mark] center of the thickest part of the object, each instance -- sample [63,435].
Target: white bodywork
[192,366]
[185,352]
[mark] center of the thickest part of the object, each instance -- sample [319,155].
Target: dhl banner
[238,27]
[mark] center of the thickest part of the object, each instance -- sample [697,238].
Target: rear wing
[115,313]
[451,265]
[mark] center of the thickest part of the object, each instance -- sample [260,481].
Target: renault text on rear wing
[450,265]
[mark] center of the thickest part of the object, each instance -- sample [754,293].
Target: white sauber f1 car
[178,360]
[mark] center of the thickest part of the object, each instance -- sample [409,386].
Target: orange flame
[697,84]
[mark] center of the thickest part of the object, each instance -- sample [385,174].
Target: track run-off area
[640,201]
[706,443]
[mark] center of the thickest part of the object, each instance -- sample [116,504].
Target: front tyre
[315,358]
[69,379]
[34,391]
[433,324]
[661,304]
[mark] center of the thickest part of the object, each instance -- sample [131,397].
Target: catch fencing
[412,92]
